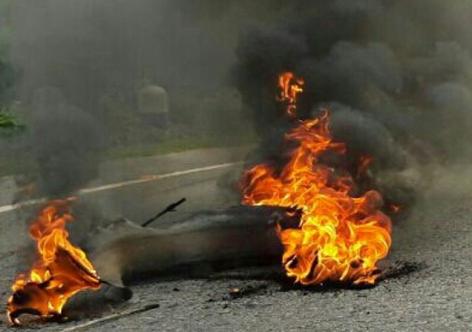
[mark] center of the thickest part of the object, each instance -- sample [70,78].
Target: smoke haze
[395,75]
[74,57]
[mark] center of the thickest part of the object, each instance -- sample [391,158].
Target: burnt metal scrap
[125,251]
[171,208]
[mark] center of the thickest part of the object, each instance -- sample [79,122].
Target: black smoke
[67,143]
[395,75]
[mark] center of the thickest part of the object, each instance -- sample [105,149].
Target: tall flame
[290,87]
[60,271]
[341,237]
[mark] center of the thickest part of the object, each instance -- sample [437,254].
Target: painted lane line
[8,208]
[111,186]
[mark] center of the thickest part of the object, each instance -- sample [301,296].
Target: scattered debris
[400,269]
[244,291]
[170,208]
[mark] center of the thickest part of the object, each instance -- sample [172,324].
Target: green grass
[173,145]
[16,165]
[22,163]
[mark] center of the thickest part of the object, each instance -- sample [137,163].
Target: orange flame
[61,270]
[340,238]
[364,164]
[290,87]
[394,208]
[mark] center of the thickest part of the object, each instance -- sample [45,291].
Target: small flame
[364,164]
[60,271]
[290,87]
[395,209]
[340,237]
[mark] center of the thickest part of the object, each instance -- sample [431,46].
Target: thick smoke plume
[67,143]
[74,57]
[81,66]
[396,76]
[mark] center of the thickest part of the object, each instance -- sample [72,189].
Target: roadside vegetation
[198,118]
[7,75]
[8,121]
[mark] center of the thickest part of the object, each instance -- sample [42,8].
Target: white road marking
[111,186]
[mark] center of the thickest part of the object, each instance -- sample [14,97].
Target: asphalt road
[433,292]
[134,188]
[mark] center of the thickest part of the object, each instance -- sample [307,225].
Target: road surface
[433,292]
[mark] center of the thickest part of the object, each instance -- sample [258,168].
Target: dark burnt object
[206,241]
